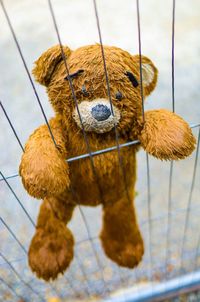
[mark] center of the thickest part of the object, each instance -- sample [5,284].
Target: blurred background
[34,29]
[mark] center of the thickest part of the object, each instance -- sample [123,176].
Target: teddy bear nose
[101,112]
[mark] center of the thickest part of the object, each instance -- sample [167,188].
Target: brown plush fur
[46,174]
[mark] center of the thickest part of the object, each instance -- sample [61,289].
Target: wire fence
[91,273]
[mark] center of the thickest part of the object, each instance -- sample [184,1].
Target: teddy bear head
[99,108]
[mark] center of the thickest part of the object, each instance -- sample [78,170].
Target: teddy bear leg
[51,248]
[121,238]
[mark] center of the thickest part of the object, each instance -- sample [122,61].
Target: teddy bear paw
[50,253]
[130,256]
[43,186]
[127,255]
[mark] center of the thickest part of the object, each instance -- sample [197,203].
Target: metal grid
[82,281]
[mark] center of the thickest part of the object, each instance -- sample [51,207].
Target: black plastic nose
[101,112]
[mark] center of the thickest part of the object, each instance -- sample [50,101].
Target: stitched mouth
[97,116]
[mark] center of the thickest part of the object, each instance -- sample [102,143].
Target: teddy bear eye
[119,95]
[84,90]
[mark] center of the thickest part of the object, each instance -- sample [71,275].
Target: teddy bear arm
[166,135]
[43,168]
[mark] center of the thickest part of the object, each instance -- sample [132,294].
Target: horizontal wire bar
[9,177]
[164,289]
[194,125]
[98,152]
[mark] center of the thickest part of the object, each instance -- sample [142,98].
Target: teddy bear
[106,179]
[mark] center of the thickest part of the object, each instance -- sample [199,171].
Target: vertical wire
[173,36]
[11,125]
[112,111]
[18,200]
[10,287]
[83,131]
[147,156]
[110,101]
[149,215]
[169,204]
[20,278]
[189,202]
[140,56]
[27,71]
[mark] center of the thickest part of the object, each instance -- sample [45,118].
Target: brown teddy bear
[46,174]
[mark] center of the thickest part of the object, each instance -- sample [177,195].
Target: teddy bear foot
[50,253]
[126,255]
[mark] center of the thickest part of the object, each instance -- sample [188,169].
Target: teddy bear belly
[107,183]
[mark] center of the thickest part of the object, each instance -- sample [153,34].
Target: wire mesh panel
[167,200]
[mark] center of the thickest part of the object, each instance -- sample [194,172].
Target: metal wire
[13,235]
[10,287]
[147,156]
[169,204]
[10,177]
[189,203]
[98,152]
[11,125]
[110,101]
[26,68]
[83,131]
[140,56]
[18,200]
[121,166]
[20,278]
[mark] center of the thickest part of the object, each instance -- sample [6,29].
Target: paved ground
[34,29]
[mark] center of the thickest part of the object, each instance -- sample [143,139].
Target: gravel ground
[34,28]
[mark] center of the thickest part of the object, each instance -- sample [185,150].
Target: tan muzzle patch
[97,115]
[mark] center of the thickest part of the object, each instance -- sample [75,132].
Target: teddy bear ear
[47,62]
[149,74]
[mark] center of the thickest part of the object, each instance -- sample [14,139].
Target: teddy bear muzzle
[96,115]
